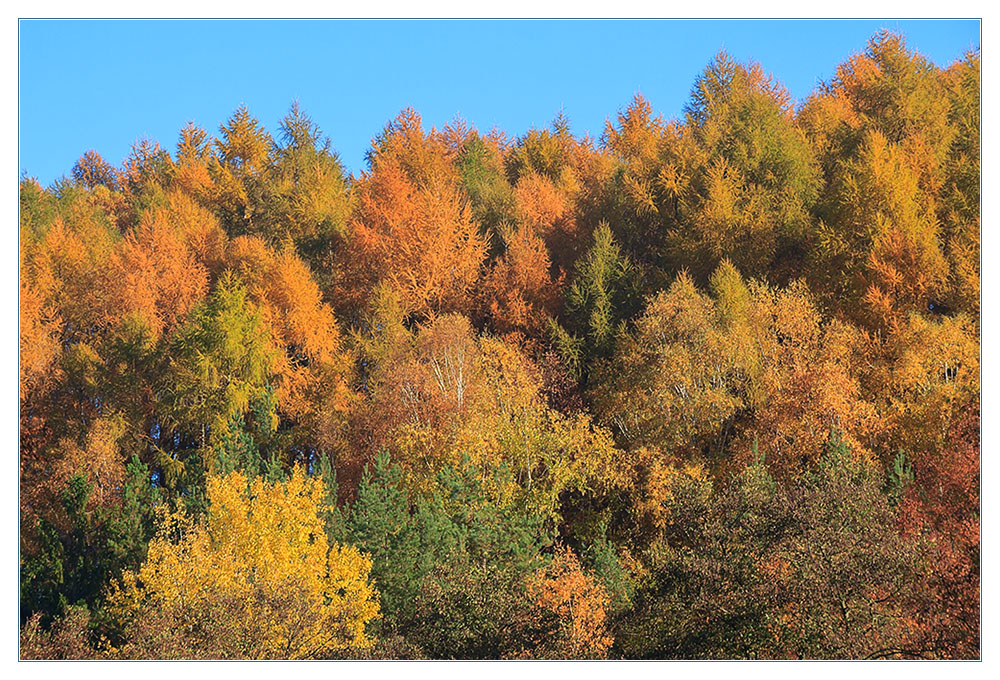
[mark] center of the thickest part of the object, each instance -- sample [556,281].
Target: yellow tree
[191,170]
[256,579]
[674,381]
[75,253]
[92,171]
[753,175]
[442,395]
[961,200]
[933,374]
[892,132]
[200,229]
[734,180]
[880,248]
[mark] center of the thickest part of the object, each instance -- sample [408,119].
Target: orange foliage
[421,241]
[202,233]
[580,603]
[426,159]
[77,258]
[39,328]
[311,365]
[339,325]
[547,211]
[155,276]
[191,174]
[518,292]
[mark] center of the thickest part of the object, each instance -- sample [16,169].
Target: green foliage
[243,154]
[333,517]
[247,442]
[36,207]
[221,361]
[446,566]
[604,293]
[607,565]
[900,476]
[306,194]
[483,179]
[78,552]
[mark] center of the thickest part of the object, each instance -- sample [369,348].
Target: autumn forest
[703,388]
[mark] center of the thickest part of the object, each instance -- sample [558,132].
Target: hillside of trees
[705,388]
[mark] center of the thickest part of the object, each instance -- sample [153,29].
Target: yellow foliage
[659,483]
[935,372]
[259,543]
[40,326]
[100,461]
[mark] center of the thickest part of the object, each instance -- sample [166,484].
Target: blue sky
[105,84]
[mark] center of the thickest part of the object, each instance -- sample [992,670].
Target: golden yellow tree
[255,579]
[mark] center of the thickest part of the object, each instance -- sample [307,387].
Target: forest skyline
[531,69]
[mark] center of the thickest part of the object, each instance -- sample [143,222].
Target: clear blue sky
[104,84]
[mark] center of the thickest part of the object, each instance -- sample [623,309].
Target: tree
[40,328]
[941,501]
[734,180]
[309,362]
[243,155]
[154,275]
[671,384]
[882,245]
[757,180]
[931,375]
[709,378]
[67,639]
[961,201]
[579,601]
[559,185]
[94,529]
[761,571]
[441,395]
[306,192]
[413,231]
[255,579]
[454,564]
[638,143]
[193,167]
[92,171]
[882,131]
[480,166]
[221,360]
[604,293]
[518,292]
